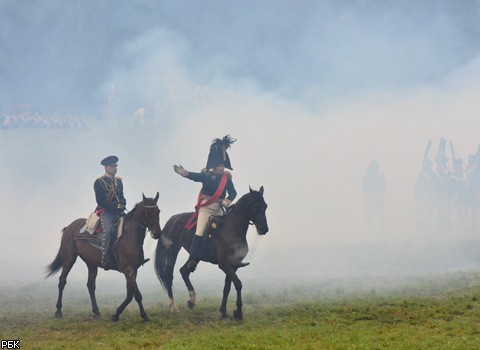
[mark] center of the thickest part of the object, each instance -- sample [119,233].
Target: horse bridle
[145,214]
[250,221]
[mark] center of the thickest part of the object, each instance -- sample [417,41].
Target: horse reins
[146,207]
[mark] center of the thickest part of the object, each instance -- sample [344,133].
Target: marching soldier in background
[459,195]
[374,190]
[111,205]
[217,183]
[424,193]
[473,183]
[443,195]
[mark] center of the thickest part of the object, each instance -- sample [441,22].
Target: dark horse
[227,247]
[128,250]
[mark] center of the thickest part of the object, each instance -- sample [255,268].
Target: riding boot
[106,251]
[194,253]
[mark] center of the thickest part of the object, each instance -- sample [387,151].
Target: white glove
[226,203]
[180,170]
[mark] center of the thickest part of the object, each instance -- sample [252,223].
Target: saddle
[214,225]
[95,238]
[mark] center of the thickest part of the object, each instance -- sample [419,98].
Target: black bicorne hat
[110,160]
[218,152]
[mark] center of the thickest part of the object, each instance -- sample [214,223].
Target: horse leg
[185,272]
[131,287]
[62,281]
[92,277]
[168,282]
[230,271]
[173,305]
[138,299]
[226,291]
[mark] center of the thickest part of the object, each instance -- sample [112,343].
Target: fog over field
[312,90]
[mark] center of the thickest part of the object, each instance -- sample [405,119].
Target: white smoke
[311,92]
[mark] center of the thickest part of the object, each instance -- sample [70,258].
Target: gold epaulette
[229,175]
[205,171]
[118,178]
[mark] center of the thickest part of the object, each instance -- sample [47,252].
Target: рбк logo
[10,344]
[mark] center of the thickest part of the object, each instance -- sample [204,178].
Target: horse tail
[55,266]
[57,263]
[166,255]
[67,244]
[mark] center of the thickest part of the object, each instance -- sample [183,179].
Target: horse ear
[261,190]
[156,197]
[143,197]
[250,189]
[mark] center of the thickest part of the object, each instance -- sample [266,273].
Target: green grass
[423,313]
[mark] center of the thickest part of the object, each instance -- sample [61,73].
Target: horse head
[151,216]
[256,211]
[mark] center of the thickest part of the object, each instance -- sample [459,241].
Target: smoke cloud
[313,91]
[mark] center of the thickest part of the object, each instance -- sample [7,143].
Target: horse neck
[135,225]
[239,216]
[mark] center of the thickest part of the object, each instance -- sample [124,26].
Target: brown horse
[226,248]
[128,250]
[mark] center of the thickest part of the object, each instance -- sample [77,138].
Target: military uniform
[211,182]
[109,193]
[210,201]
[110,199]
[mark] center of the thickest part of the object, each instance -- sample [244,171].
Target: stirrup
[192,265]
[145,261]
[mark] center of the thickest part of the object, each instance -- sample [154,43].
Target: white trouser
[204,214]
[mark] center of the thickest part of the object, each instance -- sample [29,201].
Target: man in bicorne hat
[111,202]
[217,183]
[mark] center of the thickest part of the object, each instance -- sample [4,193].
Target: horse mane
[131,213]
[241,203]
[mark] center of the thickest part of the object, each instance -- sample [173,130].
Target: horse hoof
[96,316]
[238,315]
[114,318]
[145,318]
[58,315]
[174,310]
[225,317]
[190,304]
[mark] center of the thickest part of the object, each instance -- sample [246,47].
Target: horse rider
[111,203]
[217,183]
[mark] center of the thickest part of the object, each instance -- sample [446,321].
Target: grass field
[419,312]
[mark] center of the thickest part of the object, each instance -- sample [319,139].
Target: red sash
[192,222]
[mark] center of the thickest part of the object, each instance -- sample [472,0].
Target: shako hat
[218,152]
[110,160]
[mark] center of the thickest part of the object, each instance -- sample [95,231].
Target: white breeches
[204,214]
